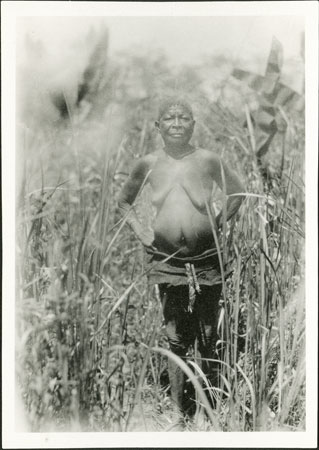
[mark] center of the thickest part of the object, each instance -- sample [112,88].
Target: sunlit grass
[91,354]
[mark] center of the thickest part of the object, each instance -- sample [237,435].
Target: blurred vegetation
[87,324]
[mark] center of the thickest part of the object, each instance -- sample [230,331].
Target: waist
[207,258]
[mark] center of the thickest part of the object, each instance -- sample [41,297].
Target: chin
[179,142]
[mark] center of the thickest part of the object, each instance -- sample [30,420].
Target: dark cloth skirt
[175,271]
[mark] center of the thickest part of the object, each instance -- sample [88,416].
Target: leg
[180,332]
[207,315]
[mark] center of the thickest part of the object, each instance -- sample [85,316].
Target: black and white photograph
[159,185]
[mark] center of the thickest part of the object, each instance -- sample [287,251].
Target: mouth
[177,134]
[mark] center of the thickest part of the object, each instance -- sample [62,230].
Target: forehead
[176,109]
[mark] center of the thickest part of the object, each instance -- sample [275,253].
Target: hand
[147,239]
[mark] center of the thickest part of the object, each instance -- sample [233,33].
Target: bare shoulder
[144,163]
[142,166]
[208,157]
[151,158]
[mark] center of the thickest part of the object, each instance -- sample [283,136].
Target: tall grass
[91,353]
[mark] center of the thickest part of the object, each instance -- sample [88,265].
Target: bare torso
[180,189]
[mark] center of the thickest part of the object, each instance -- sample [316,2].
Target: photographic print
[158,220]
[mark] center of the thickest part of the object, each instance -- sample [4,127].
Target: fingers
[150,248]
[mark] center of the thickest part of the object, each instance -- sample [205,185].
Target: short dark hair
[167,102]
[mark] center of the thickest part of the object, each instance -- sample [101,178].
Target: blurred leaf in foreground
[272,94]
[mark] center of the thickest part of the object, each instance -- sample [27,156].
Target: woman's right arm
[135,182]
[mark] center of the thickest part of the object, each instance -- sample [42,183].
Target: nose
[177,122]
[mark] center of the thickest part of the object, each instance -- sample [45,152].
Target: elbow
[239,200]
[236,202]
[122,208]
[123,205]
[241,194]
[237,197]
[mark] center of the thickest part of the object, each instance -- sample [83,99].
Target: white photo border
[14,439]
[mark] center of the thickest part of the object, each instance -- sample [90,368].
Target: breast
[179,223]
[182,188]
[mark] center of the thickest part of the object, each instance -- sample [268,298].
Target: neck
[178,152]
